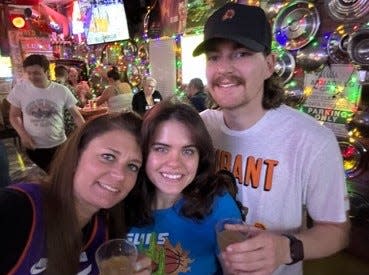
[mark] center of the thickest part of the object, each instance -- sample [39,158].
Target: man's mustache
[234,79]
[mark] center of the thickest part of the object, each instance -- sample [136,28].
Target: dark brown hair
[200,193]
[63,233]
[113,73]
[36,59]
[274,94]
[61,71]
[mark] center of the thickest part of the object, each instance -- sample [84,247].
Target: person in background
[180,197]
[57,224]
[196,94]
[146,98]
[36,111]
[81,87]
[254,133]
[4,166]
[118,95]
[61,77]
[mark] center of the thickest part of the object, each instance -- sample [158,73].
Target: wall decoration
[337,43]
[285,65]
[296,25]
[343,10]
[334,96]
[358,47]
[312,57]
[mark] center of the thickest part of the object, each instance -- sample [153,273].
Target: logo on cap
[228,14]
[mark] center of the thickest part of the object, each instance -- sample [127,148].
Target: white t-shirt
[283,163]
[42,111]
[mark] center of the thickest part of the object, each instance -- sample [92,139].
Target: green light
[331,87]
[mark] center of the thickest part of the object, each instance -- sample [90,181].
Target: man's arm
[77,117]
[16,120]
[324,239]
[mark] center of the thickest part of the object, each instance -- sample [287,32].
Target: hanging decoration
[358,45]
[344,10]
[285,65]
[312,57]
[337,43]
[146,19]
[295,95]
[353,153]
[296,25]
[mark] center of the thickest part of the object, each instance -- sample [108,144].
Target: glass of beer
[226,235]
[116,256]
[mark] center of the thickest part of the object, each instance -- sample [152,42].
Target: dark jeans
[4,166]
[42,157]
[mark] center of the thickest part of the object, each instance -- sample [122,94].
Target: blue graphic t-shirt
[179,245]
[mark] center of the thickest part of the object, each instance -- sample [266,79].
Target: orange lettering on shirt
[269,173]
[253,171]
[237,168]
[225,161]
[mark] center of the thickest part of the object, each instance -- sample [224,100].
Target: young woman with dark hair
[180,196]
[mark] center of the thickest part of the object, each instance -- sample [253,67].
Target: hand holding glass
[227,236]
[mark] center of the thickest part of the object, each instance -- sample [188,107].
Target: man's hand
[260,254]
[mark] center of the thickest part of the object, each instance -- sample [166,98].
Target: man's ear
[271,60]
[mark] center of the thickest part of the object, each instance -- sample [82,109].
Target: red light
[349,152]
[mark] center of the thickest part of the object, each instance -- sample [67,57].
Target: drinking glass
[115,257]
[227,236]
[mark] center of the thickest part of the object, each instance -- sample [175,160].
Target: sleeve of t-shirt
[13,97]
[16,222]
[326,196]
[225,206]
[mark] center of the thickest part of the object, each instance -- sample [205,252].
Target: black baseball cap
[247,25]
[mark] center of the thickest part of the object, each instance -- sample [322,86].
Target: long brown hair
[274,94]
[200,193]
[63,233]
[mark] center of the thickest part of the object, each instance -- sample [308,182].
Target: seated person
[147,97]
[81,87]
[196,94]
[117,95]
